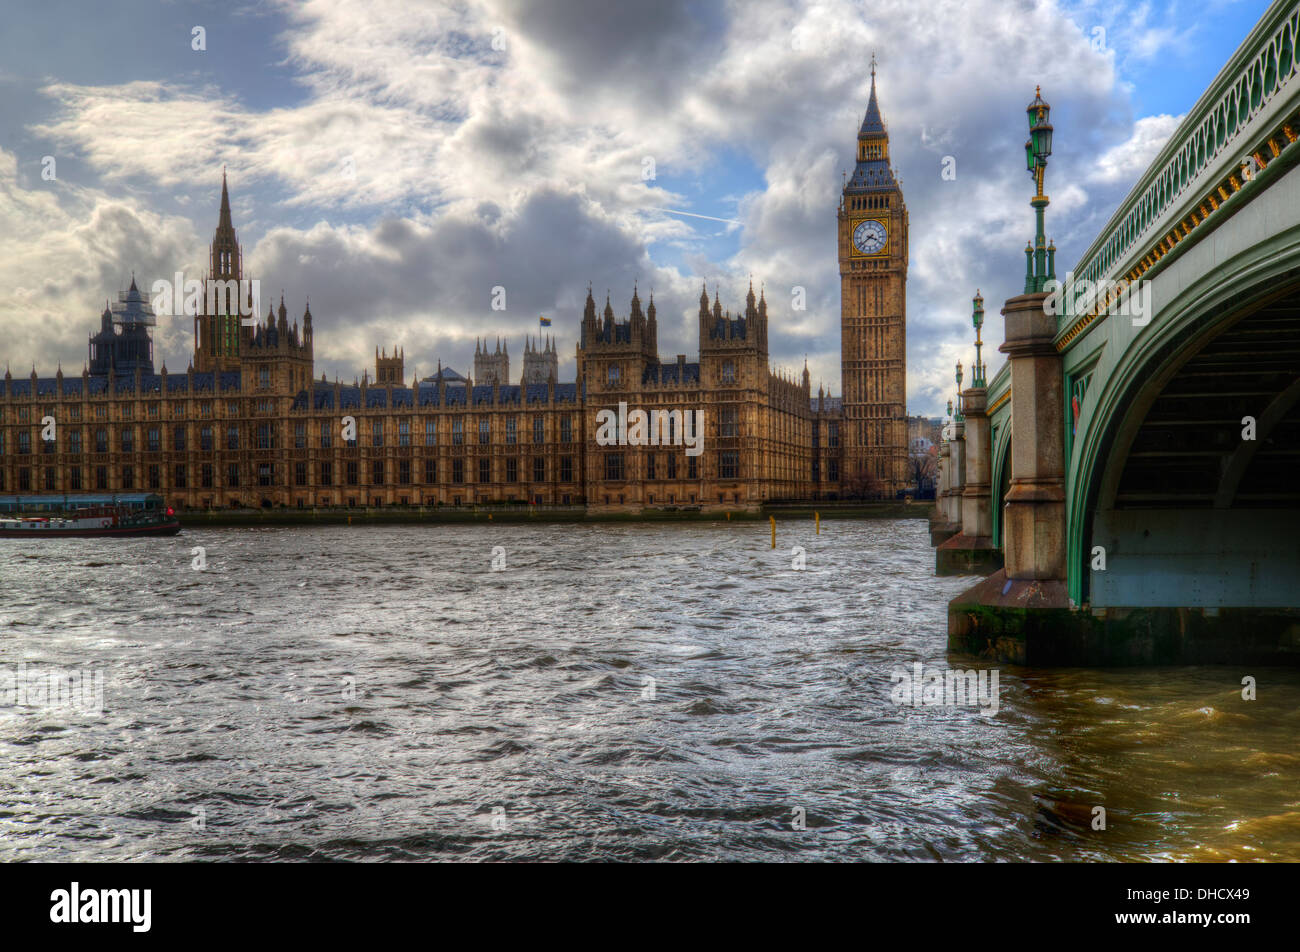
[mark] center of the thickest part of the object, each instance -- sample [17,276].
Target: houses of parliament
[248,424]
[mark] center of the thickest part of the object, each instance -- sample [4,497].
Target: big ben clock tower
[873,313]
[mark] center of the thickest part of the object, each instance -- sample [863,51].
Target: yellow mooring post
[773,518]
[817,516]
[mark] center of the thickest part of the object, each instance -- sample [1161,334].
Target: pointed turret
[224,220]
[872,171]
[872,123]
[226,262]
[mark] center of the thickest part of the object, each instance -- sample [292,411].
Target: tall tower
[873,313]
[217,337]
[491,366]
[390,370]
[541,361]
[124,343]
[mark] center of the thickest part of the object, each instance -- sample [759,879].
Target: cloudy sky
[396,160]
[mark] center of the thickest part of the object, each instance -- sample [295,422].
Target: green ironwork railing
[1253,89]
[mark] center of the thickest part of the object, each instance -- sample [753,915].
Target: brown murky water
[615,692]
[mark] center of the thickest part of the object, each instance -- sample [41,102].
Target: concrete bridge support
[951,501]
[1019,612]
[971,551]
[1035,504]
[941,525]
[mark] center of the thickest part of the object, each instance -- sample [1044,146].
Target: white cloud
[1124,164]
[432,166]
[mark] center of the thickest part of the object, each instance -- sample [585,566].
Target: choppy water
[382,693]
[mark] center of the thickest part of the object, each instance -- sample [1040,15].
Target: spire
[224,221]
[872,123]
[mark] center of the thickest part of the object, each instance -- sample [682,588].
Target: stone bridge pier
[970,551]
[1014,614]
[956,478]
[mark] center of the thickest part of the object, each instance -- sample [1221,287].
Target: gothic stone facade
[239,439]
[247,425]
[763,437]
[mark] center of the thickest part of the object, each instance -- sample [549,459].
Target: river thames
[607,692]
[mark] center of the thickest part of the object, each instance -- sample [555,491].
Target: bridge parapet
[1220,151]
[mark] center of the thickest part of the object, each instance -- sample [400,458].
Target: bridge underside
[1200,515]
[1193,546]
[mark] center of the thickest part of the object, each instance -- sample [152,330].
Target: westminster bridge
[1129,478]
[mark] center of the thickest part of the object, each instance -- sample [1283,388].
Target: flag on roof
[544,321]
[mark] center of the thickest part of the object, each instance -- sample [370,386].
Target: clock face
[869,237]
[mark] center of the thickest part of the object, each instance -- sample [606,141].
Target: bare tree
[863,485]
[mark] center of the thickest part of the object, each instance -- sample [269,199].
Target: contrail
[673,211]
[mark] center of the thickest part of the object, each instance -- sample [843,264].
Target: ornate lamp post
[1040,260]
[977,318]
[959,416]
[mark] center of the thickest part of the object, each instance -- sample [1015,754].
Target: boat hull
[162,529]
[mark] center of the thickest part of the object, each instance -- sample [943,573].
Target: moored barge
[86,516]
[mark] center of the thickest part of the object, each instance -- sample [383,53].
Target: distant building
[389,370]
[123,344]
[540,363]
[491,367]
[923,432]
